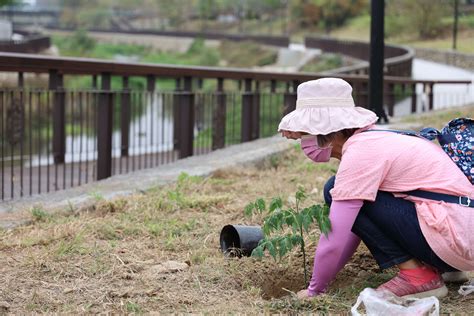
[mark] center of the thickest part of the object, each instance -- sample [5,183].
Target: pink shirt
[386,161]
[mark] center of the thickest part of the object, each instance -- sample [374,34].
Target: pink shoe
[401,287]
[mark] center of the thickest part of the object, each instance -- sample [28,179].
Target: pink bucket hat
[324,106]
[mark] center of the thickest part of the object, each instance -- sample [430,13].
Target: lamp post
[377,59]
[455,24]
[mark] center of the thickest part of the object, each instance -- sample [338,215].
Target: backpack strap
[448,198]
[427,133]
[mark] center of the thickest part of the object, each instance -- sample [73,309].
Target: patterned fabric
[460,147]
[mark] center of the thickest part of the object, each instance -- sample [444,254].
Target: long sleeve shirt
[333,251]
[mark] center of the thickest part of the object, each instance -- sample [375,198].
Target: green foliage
[246,54]
[177,195]
[133,307]
[40,215]
[294,221]
[421,16]
[323,63]
[79,44]
[327,14]
[8,2]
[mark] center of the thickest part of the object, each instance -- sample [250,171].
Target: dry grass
[439,118]
[108,260]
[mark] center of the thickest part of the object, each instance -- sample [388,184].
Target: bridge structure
[53,138]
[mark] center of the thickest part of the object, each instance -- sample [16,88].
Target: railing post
[186,119]
[219,117]
[199,106]
[430,96]
[290,99]
[21,79]
[246,120]
[59,116]
[391,98]
[176,114]
[150,83]
[425,98]
[273,86]
[413,98]
[256,112]
[364,95]
[104,129]
[94,82]
[125,118]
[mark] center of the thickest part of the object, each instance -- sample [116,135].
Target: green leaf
[249,209]
[260,205]
[300,194]
[299,220]
[322,217]
[306,221]
[266,229]
[283,246]
[280,220]
[276,204]
[296,240]
[289,220]
[295,227]
[258,252]
[271,249]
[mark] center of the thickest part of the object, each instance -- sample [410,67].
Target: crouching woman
[371,197]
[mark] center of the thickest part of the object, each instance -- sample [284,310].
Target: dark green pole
[455,24]
[377,59]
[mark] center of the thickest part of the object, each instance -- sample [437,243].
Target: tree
[284,228]
[327,14]
[421,16]
[8,2]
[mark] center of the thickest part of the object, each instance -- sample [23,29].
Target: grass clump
[323,63]
[246,54]
[40,215]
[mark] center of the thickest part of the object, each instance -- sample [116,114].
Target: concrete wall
[452,58]
[5,30]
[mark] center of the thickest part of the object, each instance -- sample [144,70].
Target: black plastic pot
[239,240]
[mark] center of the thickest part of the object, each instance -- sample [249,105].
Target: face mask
[310,147]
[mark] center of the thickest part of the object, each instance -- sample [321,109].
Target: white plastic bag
[467,288]
[386,304]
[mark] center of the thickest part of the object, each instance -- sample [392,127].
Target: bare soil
[159,252]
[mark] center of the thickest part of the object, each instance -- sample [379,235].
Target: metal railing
[272,40]
[30,44]
[55,138]
[398,59]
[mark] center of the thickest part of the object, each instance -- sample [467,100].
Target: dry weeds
[112,259]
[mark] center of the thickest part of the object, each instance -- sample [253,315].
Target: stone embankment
[461,60]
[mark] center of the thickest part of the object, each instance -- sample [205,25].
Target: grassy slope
[231,54]
[359,29]
[106,260]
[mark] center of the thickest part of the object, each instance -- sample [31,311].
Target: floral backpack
[457,140]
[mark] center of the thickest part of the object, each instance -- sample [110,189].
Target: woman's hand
[292,135]
[303,295]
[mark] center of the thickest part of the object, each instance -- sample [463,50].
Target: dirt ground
[159,252]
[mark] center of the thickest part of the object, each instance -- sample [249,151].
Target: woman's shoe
[401,287]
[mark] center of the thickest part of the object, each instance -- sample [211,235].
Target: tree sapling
[295,221]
